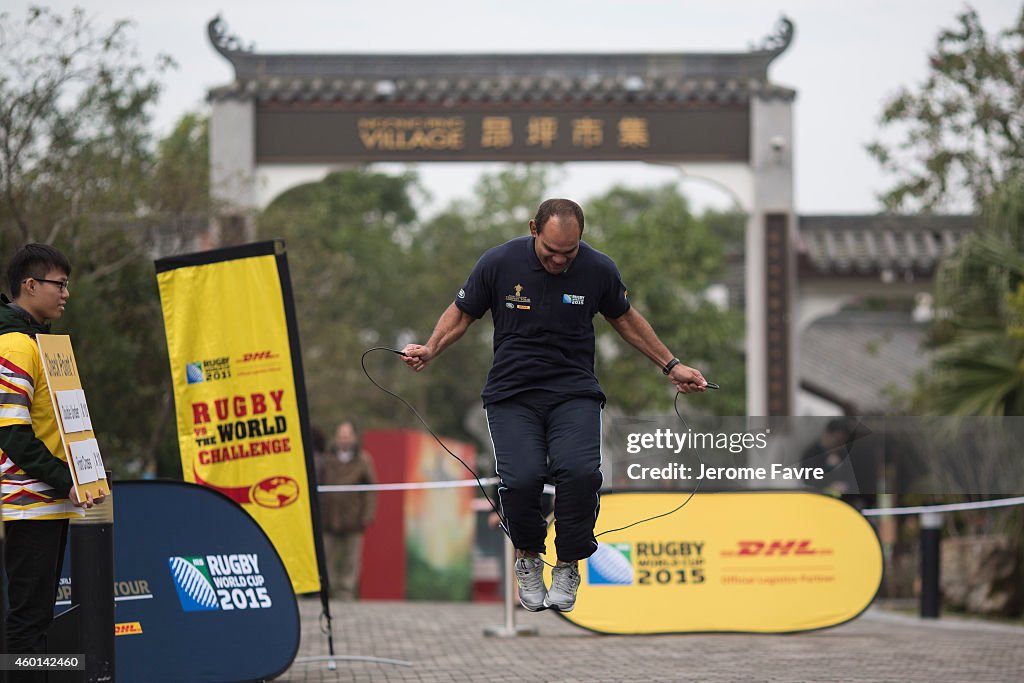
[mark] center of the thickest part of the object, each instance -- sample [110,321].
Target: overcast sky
[846,58]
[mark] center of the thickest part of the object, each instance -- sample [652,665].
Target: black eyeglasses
[61,284]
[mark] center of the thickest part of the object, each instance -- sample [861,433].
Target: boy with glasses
[38,496]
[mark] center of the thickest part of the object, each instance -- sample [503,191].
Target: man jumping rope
[542,398]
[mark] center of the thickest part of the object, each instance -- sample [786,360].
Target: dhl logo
[257,355]
[778,547]
[128,628]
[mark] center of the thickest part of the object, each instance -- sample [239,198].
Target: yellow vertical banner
[238,390]
[73,420]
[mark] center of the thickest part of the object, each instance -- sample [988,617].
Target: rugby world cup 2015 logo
[192,579]
[611,565]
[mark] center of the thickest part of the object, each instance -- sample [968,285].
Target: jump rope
[483,490]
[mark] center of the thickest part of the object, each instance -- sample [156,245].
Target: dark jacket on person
[351,511]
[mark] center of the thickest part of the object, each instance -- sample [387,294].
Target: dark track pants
[539,435]
[33,555]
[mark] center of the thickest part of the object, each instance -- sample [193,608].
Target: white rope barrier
[948,507]
[405,486]
[491,481]
[411,485]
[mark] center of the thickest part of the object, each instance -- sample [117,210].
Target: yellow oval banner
[752,562]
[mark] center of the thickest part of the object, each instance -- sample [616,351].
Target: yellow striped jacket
[25,400]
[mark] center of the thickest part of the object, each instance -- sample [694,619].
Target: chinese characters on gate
[582,132]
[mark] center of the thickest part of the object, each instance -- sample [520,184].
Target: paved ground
[446,642]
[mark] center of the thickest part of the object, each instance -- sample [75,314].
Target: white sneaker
[530,577]
[565,579]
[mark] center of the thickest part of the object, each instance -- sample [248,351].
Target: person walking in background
[346,515]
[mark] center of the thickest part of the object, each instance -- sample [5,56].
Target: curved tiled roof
[651,78]
[882,350]
[878,244]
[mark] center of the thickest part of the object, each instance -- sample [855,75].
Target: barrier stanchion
[931,539]
[92,587]
[509,629]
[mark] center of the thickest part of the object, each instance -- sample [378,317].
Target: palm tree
[979,363]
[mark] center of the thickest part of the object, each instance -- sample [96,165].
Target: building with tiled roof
[567,79]
[861,362]
[856,361]
[884,245]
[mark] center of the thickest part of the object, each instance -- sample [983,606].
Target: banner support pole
[292,323]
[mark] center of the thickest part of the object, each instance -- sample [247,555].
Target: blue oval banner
[200,592]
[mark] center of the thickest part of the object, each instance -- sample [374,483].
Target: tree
[115,316]
[178,206]
[354,286]
[1016,310]
[180,178]
[963,128]
[979,364]
[79,168]
[978,368]
[668,259]
[74,125]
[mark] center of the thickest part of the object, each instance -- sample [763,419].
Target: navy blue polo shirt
[543,323]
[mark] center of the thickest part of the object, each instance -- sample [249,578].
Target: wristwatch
[669,365]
